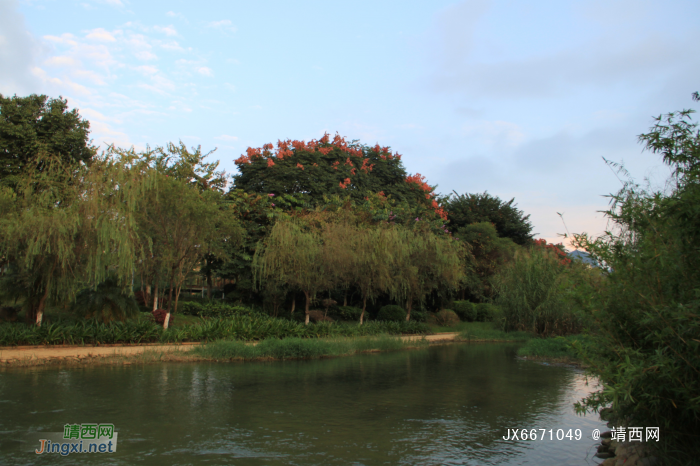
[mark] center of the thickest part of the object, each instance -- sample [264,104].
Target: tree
[36,124]
[466,209]
[182,219]
[324,168]
[423,262]
[489,252]
[293,254]
[646,352]
[66,224]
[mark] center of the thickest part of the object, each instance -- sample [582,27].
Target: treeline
[320,219]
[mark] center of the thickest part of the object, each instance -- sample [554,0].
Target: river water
[448,404]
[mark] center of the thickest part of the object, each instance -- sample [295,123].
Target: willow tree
[66,224]
[293,253]
[374,250]
[423,262]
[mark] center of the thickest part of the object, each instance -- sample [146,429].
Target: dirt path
[25,353]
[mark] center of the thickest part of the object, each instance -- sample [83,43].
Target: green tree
[67,224]
[182,219]
[647,348]
[489,254]
[466,209]
[36,124]
[424,262]
[293,254]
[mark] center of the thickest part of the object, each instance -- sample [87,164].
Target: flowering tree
[328,167]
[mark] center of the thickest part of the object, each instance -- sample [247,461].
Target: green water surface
[441,405]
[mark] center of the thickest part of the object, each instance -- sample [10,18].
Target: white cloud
[147,69]
[496,132]
[101,35]
[145,55]
[18,53]
[61,60]
[167,30]
[204,71]
[223,24]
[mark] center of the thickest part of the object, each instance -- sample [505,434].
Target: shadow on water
[443,405]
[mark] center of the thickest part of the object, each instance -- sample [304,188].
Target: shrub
[419,316]
[108,301]
[392,313]
[465,310]
[159,317]
[485,312]
[536,291]
[350,313]
[446,318]
[189,308]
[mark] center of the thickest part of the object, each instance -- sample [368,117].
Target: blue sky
[518,98]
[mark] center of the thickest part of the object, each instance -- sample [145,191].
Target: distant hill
[583,256]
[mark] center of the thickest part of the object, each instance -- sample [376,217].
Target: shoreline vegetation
[553,350]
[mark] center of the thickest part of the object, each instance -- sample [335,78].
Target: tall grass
[240,327]
[486,331]
[536,293]
[556,348]
[299,348]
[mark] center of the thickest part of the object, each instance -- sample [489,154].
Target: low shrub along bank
[299,348]
[239,327]
[392,313]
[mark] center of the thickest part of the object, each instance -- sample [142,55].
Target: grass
[300,348]
[485,331]
[557,348]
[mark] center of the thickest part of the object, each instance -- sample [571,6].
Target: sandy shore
[46,353]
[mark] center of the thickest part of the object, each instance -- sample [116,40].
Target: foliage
[446,318]
[538,293]
[298,348]
[214,309]
[70,224]
[487,312]
[489,252]
[487,331]
[331,167]
[465,310]
[349,313]
[160,315]
[647,347]
[238,327]
[392,313]
[33,125]
[466,209]
[419,316]
[557,347]
[106,302]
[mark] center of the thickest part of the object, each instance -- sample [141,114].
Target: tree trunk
[409,303]
[170,291]
[306,310]
[166,321]
[364,306]
[345,300]
[155,297]
[294,303]
[147,298]
[209,285]
[42,304]
[177,297]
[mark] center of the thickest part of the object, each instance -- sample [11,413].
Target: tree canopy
[328,167]
[465,209]
[34,124]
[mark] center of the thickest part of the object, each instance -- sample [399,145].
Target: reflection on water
[443,405]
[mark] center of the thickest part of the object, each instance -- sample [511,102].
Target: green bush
[446,318]
[392,313]
[213,309]
[485,312]
[237,327]
[536,292]
[189,308]
[419,316]
[465,310]
[350,313]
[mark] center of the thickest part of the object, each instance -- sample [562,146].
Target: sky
[519,99]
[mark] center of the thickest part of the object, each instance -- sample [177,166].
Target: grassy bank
[559,349]
[242,327]
[298,348]
[486,331]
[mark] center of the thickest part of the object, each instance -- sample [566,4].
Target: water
[442,405]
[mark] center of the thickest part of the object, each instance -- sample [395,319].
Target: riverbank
[126,354]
